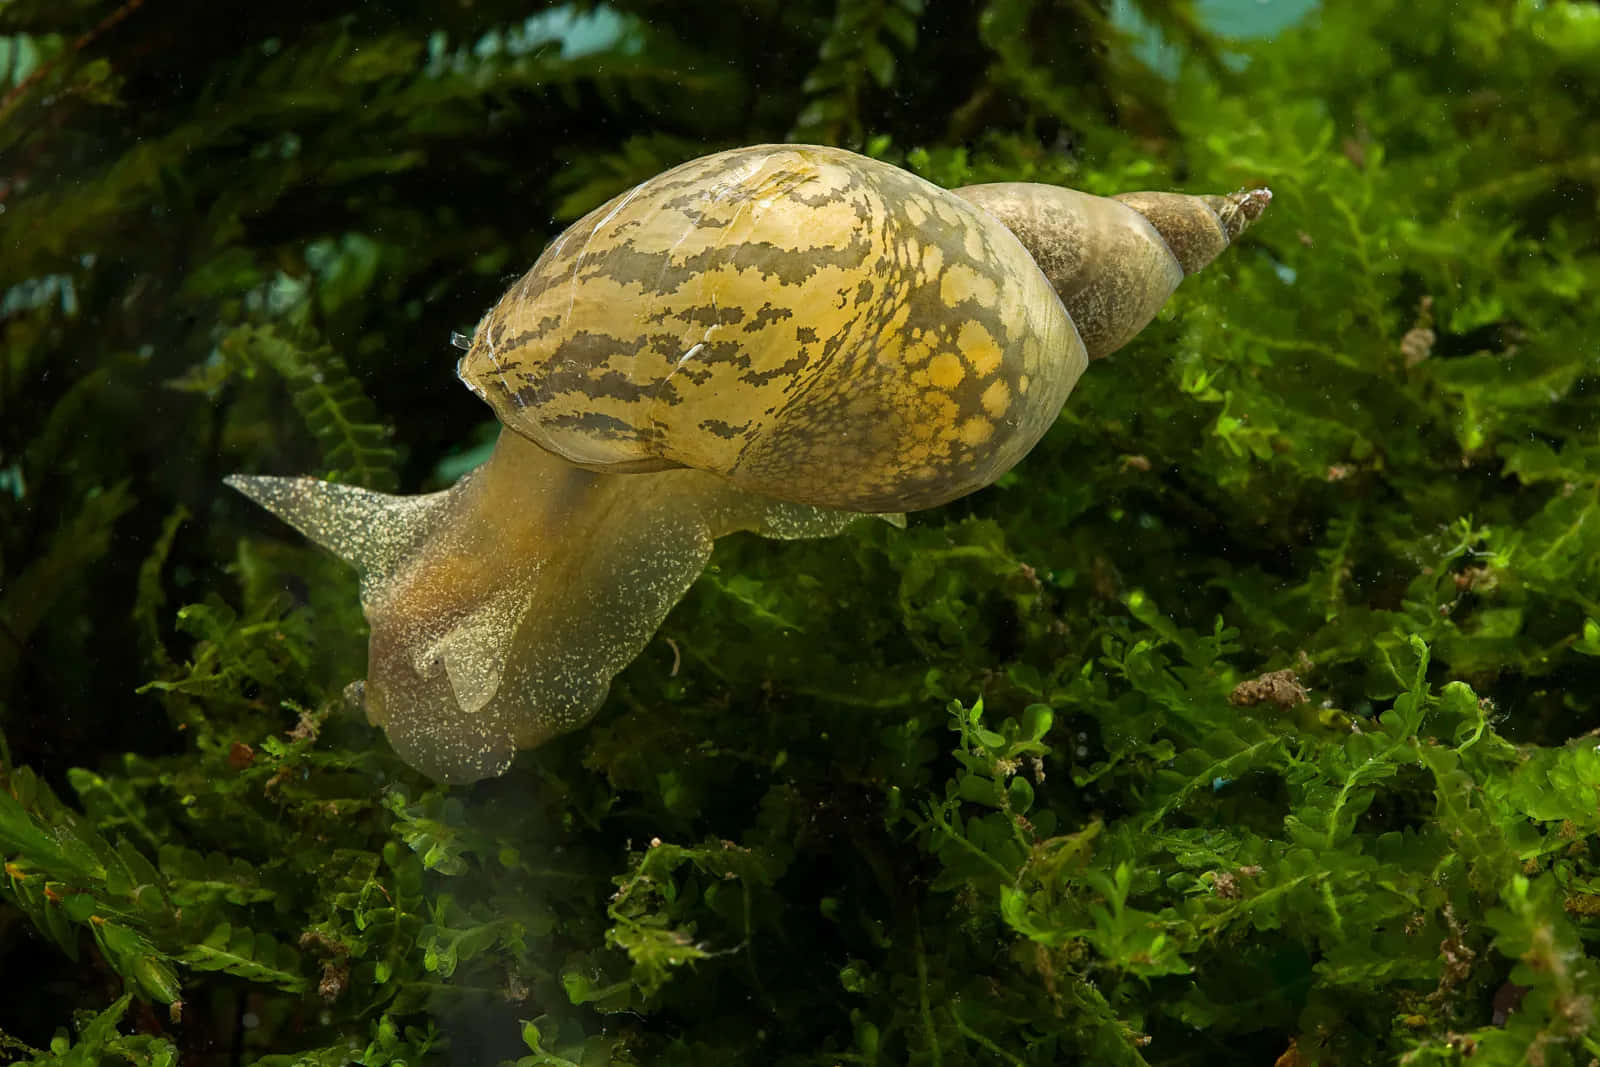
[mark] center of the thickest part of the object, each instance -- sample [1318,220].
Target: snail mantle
[779,339]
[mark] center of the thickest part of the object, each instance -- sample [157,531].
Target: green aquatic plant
[1250,719]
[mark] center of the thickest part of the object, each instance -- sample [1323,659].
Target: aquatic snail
[778,339]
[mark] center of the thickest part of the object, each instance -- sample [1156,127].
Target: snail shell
[808,323]
[776,338]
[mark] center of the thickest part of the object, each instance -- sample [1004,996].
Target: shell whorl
[1115,260]
[1198,228]
[803,321]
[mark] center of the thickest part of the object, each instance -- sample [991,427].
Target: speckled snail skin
[778,339]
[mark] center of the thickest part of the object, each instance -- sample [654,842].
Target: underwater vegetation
[1251,718]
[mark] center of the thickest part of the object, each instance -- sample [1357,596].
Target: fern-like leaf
[355,444]
[247,954]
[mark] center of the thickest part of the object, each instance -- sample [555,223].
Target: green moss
[1014,785]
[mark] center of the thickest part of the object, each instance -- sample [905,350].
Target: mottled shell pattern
[802,321]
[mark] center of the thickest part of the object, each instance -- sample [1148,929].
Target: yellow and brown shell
[800,320]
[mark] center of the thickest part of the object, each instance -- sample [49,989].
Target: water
[1237,707]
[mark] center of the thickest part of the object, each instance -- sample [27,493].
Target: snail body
[778,339]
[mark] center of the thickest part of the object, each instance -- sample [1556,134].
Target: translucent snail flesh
[778,339]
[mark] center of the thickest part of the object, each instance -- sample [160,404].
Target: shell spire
[1114,261]
[1239,210]
[1198,229]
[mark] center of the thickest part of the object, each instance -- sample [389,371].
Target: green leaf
[251,955]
